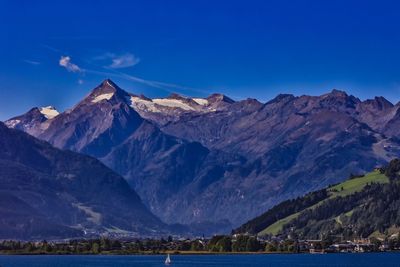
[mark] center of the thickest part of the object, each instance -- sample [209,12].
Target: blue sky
[54,52]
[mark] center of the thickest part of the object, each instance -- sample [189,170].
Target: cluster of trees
[100,246]
[392,170]
[241,243]
[219,243]
[94,246]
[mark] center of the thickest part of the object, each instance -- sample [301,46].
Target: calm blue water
[331,260]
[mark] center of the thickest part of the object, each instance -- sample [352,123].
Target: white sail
[168,260]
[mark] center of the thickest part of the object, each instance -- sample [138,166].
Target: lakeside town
[219,244]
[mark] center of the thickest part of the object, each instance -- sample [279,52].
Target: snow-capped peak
[49,112]
[105,91]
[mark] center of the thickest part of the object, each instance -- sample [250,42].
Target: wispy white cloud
[32,62]
[65,61]
[119,61]
[56,50]
[124,61]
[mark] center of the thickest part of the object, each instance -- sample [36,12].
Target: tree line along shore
[219,244]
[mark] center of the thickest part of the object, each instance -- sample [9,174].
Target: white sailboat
[168,260]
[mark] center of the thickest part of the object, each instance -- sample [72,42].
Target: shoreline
[185,253]
[200,253]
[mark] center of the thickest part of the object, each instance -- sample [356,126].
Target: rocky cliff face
[197,160]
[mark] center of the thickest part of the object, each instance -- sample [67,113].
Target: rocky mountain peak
[281,97]
[379,103]
[34,112]
[107,86]
[176,96]
[30,121]
[338,99]
[106,91]
[214,98]
[338,93]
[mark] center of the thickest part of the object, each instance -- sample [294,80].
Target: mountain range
[219,162]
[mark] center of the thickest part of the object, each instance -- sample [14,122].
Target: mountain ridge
[246,155]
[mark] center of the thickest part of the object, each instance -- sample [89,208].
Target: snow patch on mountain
[102,97]
[201,101]
[154,105]
[142,104]
[49,112]
[172,103]
[12,123]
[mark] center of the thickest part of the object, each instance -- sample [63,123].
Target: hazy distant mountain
[197,160]
[50,193]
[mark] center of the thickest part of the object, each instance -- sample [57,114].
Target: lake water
[297,260]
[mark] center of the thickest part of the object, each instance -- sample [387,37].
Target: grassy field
[277,226]
[357,184]
[343,189]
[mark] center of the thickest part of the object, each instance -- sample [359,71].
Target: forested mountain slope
[362,206]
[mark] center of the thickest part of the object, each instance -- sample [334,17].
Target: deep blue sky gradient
[244,49]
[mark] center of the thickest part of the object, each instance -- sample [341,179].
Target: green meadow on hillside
[357,184]
[343,189]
